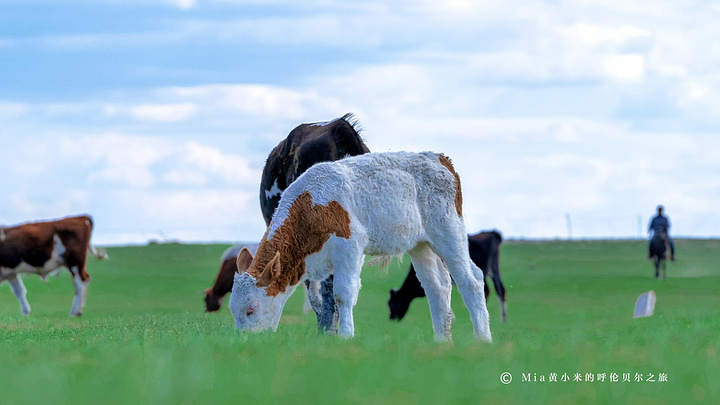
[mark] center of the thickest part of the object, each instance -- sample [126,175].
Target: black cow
[484,252]
[306,145]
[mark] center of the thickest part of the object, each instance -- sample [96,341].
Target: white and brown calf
[336,212]
[305,146]
[42,248]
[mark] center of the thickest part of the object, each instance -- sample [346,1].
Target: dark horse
[659,246]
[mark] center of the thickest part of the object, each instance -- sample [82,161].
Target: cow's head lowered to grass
[251,305]
[264,283]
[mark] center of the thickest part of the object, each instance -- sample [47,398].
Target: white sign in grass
[645,304]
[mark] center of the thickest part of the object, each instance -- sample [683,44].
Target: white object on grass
[645,304]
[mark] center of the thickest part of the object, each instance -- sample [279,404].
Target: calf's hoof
[484,339]
[443,339]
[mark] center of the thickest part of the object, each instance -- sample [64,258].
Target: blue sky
[156,116]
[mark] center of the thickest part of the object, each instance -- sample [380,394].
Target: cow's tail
[99,254]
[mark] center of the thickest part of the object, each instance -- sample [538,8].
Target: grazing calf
[306,145]
[484,252]
[378,204]
[224,280]
[42,248]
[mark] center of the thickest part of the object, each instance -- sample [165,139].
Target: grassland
[144,338]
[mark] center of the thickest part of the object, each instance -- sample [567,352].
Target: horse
[659,246]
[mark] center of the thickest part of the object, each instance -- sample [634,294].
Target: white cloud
[387,90]
[534,101]
[626,67]
[196,162]
[164,112]
[199,214]
[209,207]
[29,205]
[183,4]
[12,109]
[520,176]
[123,159]
[599,35]
[262,101]
[172,112]
[143,161]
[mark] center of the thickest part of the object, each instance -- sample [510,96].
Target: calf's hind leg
[453,249]
[435,280]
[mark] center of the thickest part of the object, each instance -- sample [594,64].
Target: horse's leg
[656,262]
[664,268]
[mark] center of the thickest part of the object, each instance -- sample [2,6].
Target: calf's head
[252,306]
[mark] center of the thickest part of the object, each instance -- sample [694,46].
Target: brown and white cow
[42,248]
[305,146]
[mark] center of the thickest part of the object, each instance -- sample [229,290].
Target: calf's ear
[272,270]
[243,260]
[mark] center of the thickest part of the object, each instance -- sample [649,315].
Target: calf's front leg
[346,287]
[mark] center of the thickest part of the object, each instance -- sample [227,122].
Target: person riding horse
[660,224]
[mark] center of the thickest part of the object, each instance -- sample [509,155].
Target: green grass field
[143,337]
